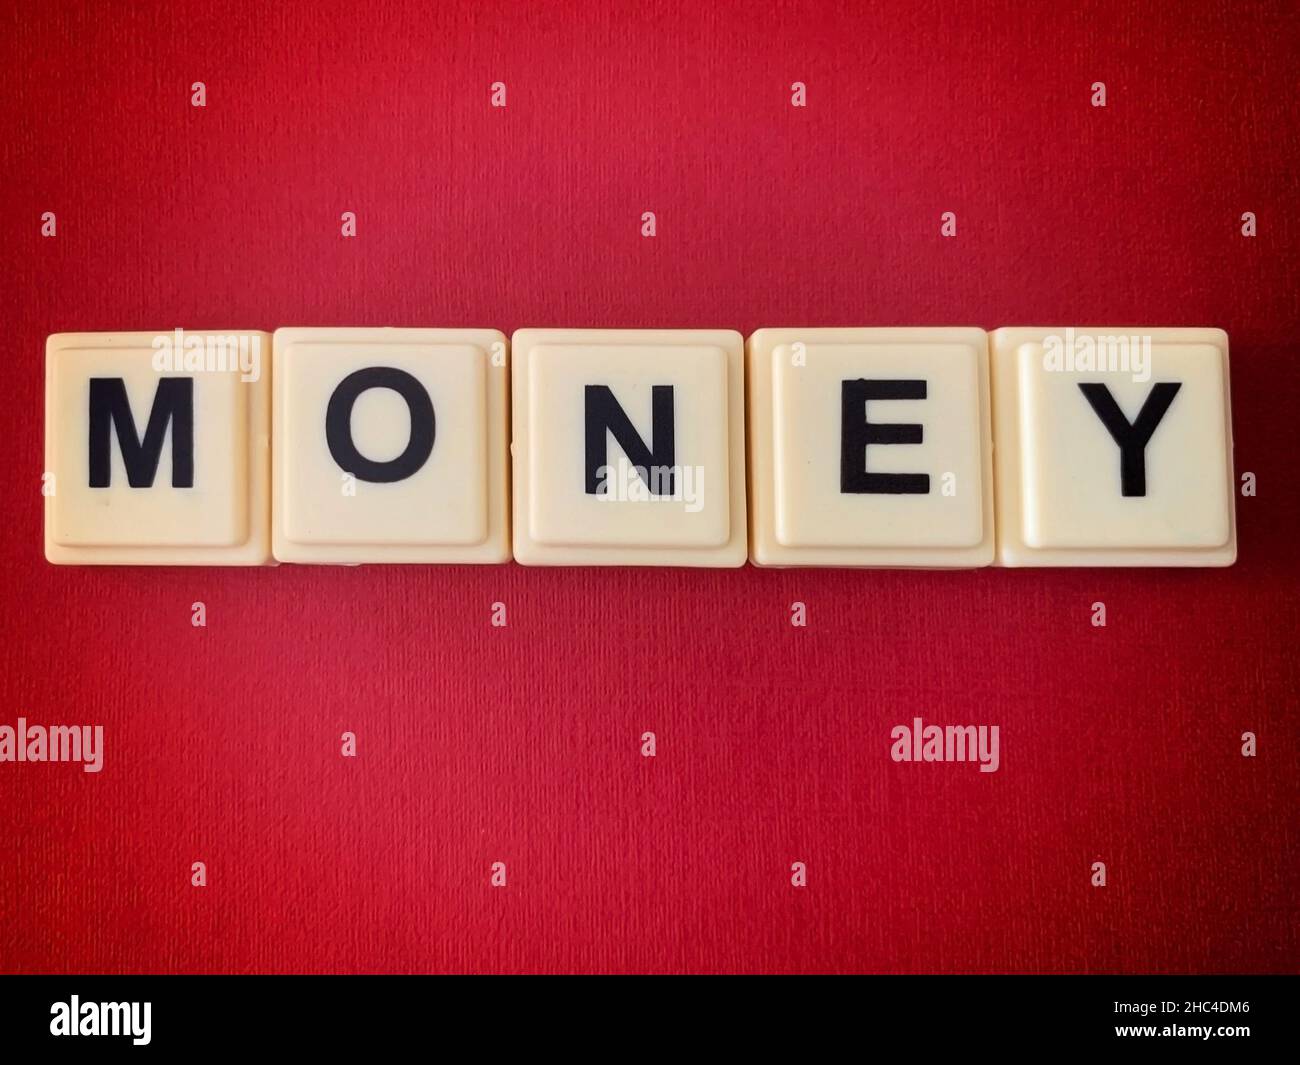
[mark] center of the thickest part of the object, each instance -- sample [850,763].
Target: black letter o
[338,425]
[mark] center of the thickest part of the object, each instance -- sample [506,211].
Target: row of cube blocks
[898,447]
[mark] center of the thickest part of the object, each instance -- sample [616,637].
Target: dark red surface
[521,744]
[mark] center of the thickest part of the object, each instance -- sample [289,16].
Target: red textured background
[522,744]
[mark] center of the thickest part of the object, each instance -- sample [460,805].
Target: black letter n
[653,464]
[109,407]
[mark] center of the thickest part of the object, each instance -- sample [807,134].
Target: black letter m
[109,408]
